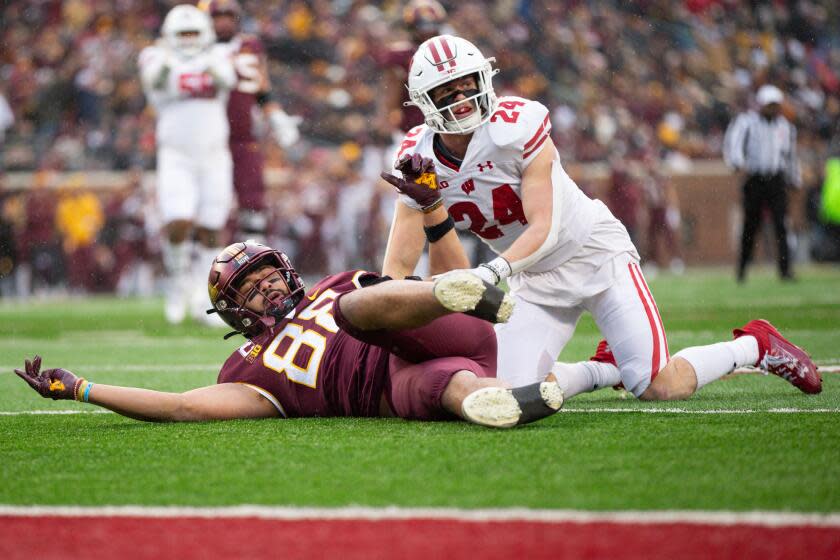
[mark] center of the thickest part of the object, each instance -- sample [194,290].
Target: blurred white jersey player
[562,253]
[187,79]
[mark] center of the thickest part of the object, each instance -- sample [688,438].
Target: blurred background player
[422,20]
[187,79]
[252,89]
[663,218]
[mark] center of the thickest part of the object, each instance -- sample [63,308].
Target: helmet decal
[440,46]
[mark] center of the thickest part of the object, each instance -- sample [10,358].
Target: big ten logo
[197,84]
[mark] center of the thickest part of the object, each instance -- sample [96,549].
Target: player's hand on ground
[56,383]
[418,182]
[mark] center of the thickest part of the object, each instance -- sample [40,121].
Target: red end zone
[127,537]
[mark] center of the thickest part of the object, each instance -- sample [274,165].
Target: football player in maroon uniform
[422,19]
[253,88]
[356,344]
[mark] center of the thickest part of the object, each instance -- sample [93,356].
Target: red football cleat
[780,357]
[603,354]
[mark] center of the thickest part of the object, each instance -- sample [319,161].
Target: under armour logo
[468,186]
[488,164]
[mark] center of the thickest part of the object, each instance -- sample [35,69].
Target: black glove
[419,181]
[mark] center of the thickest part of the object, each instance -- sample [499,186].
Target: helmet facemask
[227,275]
[425,76]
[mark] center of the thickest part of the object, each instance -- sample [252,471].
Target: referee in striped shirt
[762,144]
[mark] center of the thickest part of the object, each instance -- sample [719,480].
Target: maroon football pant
[248,175]
[424,360]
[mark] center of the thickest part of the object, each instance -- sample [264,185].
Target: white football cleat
[497,407]
[464,292]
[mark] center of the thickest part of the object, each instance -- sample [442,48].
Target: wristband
[498,266]
[87,392]
[264,97]
[437,231]
[433,206]
[77,390]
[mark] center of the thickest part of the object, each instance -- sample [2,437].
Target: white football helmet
[440,60]
[183,19]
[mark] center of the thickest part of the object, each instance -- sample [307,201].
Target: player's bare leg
[489,402]
[407,304]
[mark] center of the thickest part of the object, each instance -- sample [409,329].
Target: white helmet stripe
[435,56]
[448,52]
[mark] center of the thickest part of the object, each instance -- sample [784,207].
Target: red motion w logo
[440,48]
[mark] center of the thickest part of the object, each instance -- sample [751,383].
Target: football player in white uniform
[186,78]
[494,170]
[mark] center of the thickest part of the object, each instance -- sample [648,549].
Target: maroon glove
[419,181]
[56,384]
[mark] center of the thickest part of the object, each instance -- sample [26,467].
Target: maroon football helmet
[226,29]
[424,19]
[227,273]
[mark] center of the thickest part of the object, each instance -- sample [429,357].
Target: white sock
[584,377]
[176,257]
[716,360]
[200,299]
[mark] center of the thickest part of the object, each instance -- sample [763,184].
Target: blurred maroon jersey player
[422,19]
[253,89]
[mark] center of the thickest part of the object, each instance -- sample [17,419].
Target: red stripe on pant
[654,367]
[658,317]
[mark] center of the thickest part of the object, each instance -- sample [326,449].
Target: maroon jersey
[308,364]
[246,52]
[398,57]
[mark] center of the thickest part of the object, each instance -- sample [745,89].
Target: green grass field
[597,455]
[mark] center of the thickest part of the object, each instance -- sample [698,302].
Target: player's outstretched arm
[405,242]
[226,401]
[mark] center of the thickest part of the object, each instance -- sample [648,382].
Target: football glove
[419,181]
[494,271]
[57,383]
[284,127]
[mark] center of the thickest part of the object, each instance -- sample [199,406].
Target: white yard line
[49,412]
[132,368]
[600,410]
[713,411]
[830,366]
[765,518]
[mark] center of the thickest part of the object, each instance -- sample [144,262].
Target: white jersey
[190,97]
[484,194]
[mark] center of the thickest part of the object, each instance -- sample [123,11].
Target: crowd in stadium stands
[622,80]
